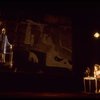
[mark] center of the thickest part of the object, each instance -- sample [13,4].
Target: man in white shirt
[3,44]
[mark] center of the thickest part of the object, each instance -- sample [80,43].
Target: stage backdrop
[53,37]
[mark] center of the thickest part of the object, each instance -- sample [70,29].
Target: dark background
[85,21]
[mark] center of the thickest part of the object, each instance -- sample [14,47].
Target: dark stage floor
[41,83]
[47,95]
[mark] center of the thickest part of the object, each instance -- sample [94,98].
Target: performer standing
[3,44]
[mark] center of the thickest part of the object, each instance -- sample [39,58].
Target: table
[89,78]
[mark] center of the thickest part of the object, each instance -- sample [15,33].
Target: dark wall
[85,46]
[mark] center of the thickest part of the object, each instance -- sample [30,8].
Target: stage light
[96,35]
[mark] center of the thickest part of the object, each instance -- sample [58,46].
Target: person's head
[3,31]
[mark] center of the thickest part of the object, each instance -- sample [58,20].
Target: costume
[3,46]
[3,43]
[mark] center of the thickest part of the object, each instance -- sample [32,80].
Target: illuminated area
[95,78]
[97,70]
[96,35]
[38,43]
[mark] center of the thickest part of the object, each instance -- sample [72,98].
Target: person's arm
[8,42]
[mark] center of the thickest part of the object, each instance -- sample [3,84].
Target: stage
[59,95]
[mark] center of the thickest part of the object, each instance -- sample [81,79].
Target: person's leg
[11,59]
[3,58]
[0,57]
